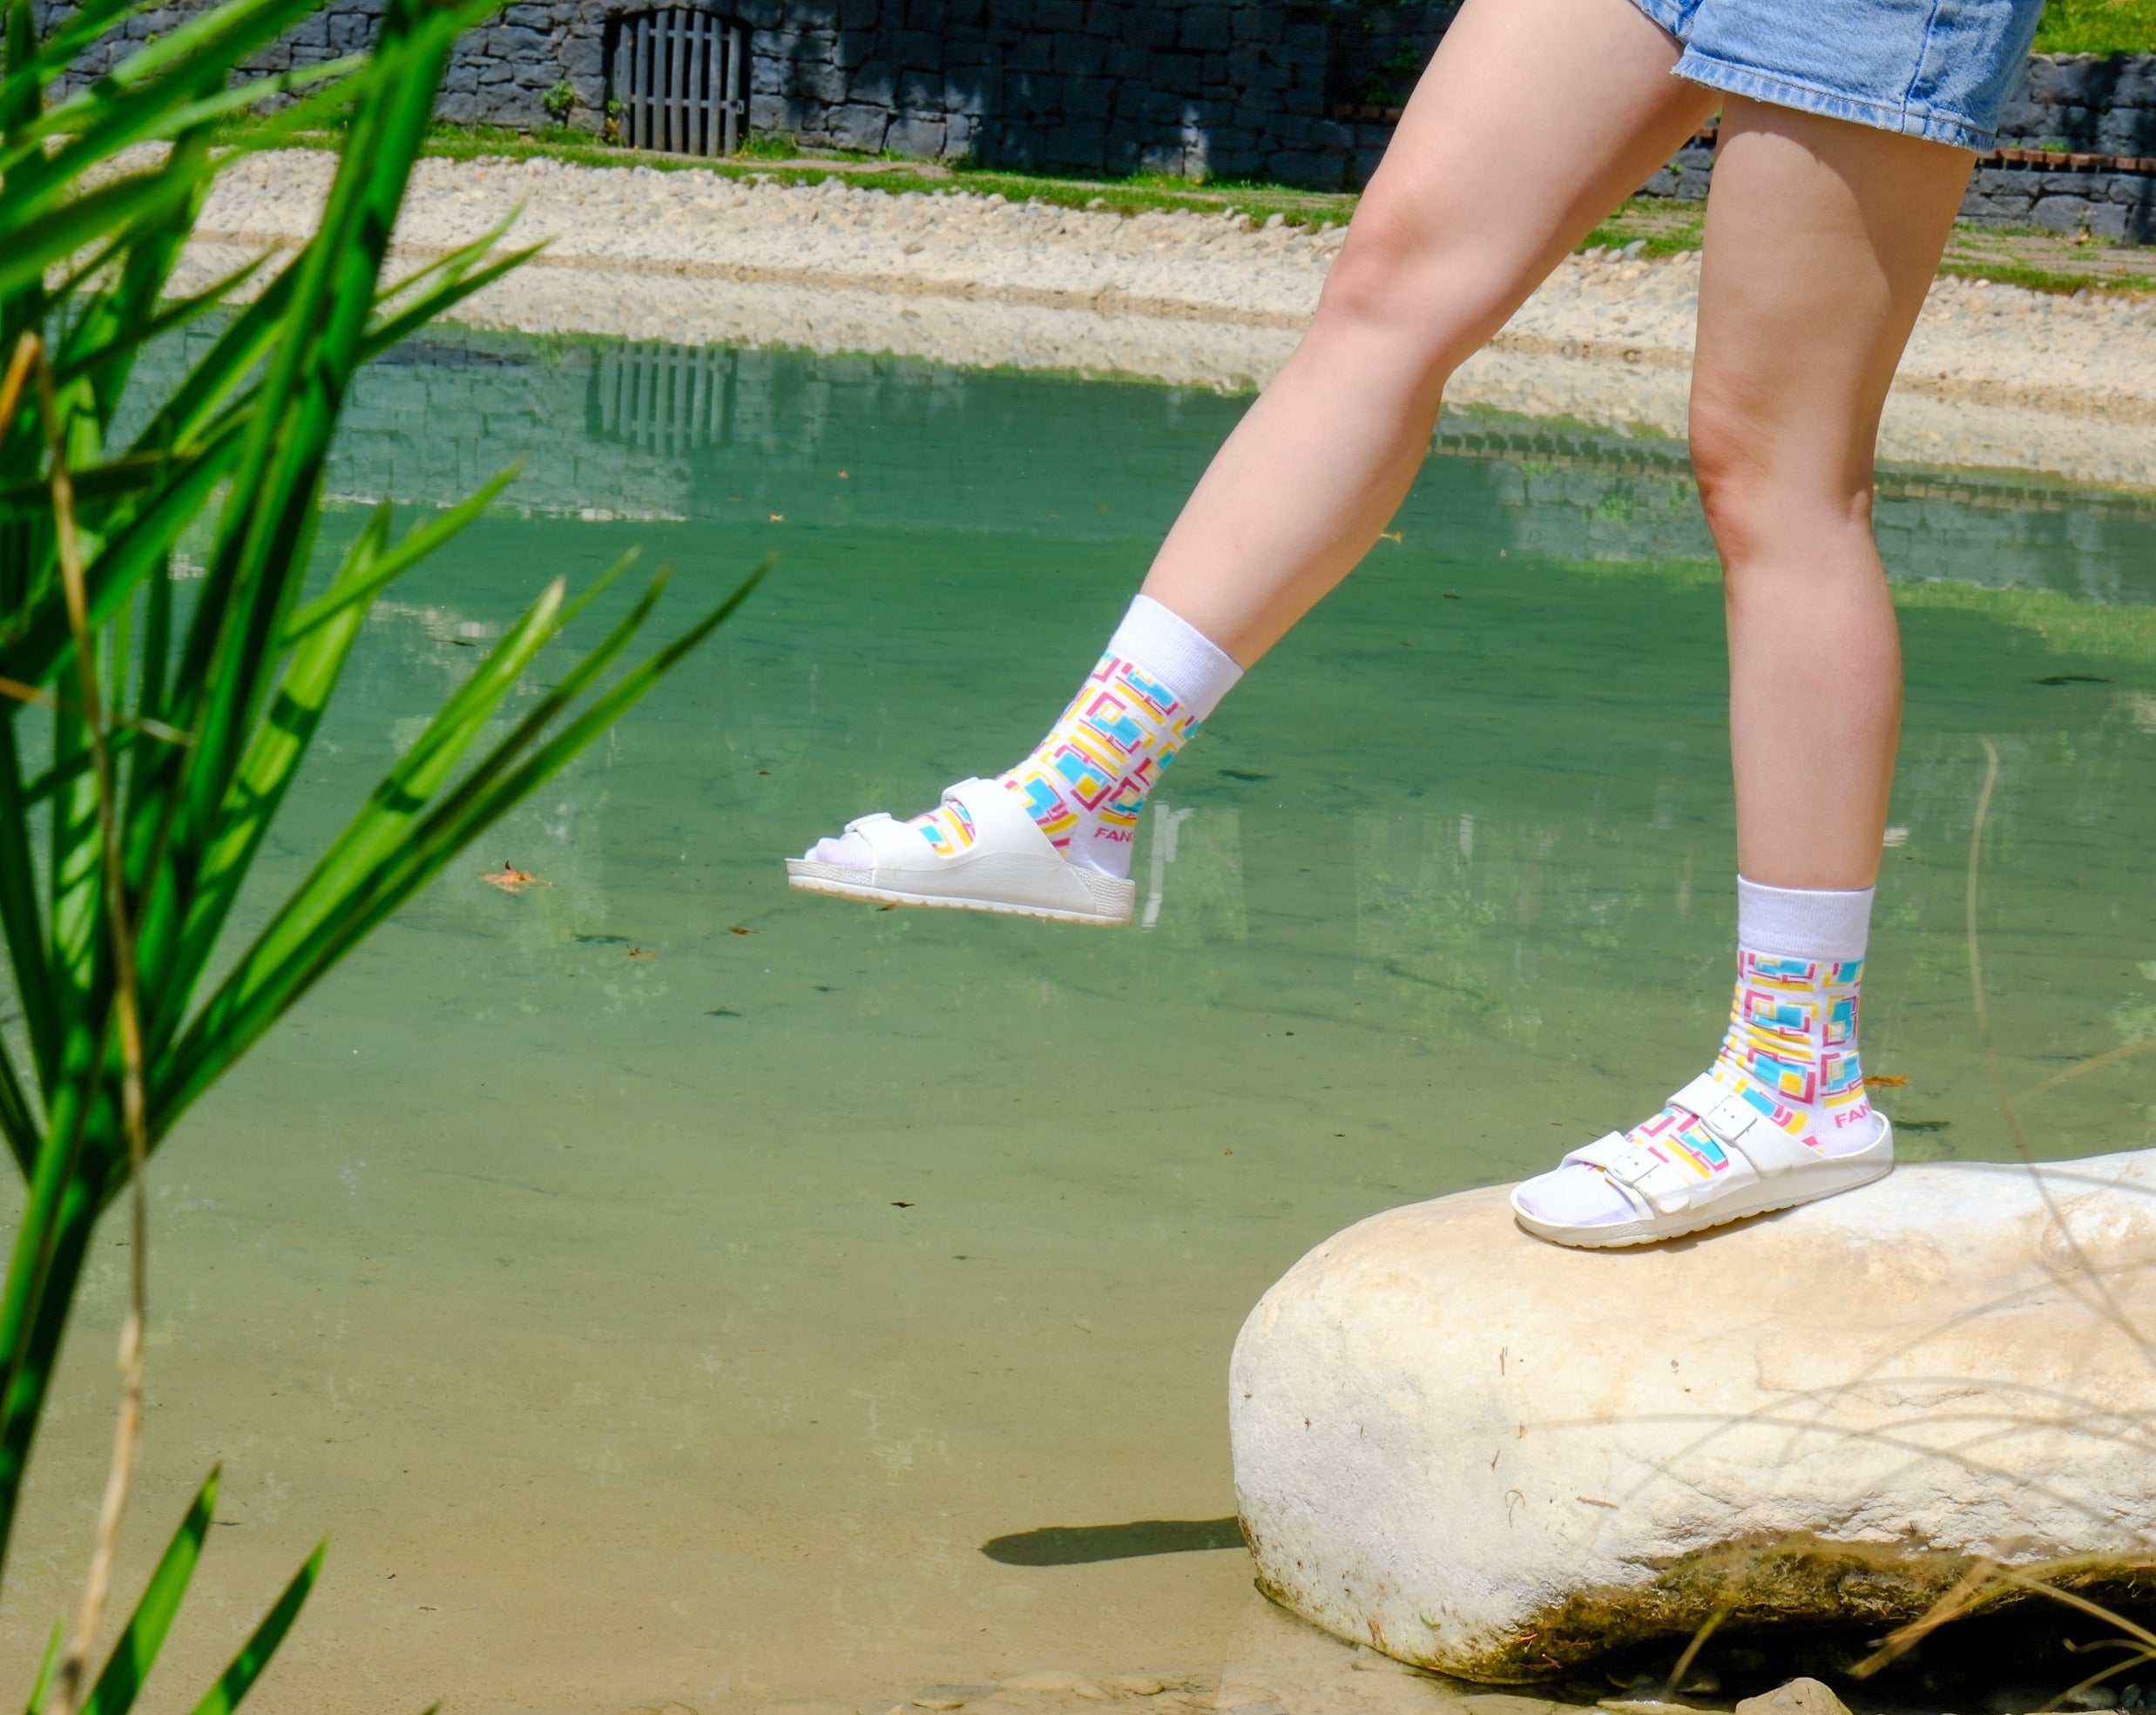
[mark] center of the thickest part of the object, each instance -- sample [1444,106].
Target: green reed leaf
[135,1651]
[254,1654]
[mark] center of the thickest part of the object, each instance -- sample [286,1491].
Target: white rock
[1497,1458]
[1799,1696]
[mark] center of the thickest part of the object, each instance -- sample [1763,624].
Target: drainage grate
[681,77]
[660,398]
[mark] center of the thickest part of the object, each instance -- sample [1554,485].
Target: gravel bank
[1995,375]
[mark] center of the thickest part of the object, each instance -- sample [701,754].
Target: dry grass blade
[2096,1283]
[2082,1068]
[1708,1628]
[1968,1590]
[127,1024]
[2133,1658]
[44,699]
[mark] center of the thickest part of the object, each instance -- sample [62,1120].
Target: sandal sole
[875,895]
[1625,1235]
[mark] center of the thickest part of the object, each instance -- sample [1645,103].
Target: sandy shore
[1995,377]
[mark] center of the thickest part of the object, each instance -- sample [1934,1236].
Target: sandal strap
[1000,819]
[892,843]
[1647,1178]
[1742,1125]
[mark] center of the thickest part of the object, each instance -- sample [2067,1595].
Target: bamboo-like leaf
[221,369]
[170,317]
[75,31]
[135,549]
[22,85]
[152,250]
[252,579]
[135,1651]
[440,299]
[247,1667]
[150,95]
[19,914]
[28,247]
[43,1683]
[331,80]
[390,563]
[130,473]
[268,979]
[398,801]
[279,744]
[16,1118]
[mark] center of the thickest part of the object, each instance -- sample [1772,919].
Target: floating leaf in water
[512,880]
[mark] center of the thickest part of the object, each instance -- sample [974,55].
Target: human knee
[1732,480]
[1764,485]
[1393,276]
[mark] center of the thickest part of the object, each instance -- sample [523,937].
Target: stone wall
[2077,152]
[1196,88]
[1296,91]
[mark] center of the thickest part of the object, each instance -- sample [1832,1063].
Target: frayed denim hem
[1782,91]
[1674,15]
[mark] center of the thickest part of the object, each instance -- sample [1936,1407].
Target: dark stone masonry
[1294,91]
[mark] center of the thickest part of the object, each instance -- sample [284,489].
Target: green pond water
[679,1329]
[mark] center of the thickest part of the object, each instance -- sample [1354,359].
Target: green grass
[1662,227]
[783,163]
[2098,27]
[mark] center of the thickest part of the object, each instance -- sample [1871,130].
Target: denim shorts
[1937,69]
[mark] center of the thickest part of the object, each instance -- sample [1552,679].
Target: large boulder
[1498,1458]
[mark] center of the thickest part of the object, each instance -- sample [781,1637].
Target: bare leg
[1435,261]
[1822,240]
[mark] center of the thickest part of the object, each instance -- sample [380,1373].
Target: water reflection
[678,1328]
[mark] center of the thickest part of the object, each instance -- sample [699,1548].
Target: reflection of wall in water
[614,428]
[1584,495]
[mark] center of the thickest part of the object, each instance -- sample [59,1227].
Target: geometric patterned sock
[1791,1053]
[1790,1050]
[1086,782]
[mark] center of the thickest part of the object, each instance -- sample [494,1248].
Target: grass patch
[1660,226]
[2098,27]
[2040,279]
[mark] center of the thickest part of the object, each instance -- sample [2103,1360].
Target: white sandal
[1012,866]
[1762,1168]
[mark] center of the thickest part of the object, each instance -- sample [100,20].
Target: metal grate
[681,77]
[661,398]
